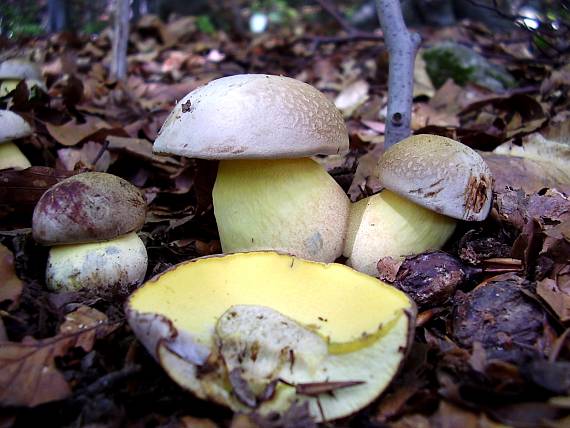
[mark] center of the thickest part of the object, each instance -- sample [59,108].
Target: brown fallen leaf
[28,375]
[10,285]
[72,133]
[21,190]
[142,149]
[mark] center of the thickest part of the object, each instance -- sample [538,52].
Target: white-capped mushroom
[430,181]
[12,71]
[12,127]
[268,194]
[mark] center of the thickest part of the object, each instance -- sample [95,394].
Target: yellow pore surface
[339,303]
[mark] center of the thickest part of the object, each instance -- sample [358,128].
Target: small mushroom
[429,181]
[12,71]
[12,127]
[92,219]
[268,193]
[231,328]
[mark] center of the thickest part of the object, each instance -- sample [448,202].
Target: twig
[331,9]
[402,47]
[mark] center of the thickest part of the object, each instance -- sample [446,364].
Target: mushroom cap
[440,174]
[12,126]
[20,68]
[252,116]
[88,207]
[114,266]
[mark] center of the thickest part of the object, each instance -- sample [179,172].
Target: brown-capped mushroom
[91,220]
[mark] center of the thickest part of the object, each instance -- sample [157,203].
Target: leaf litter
[492,346]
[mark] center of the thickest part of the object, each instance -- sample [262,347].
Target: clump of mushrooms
[91,220]
[257,331]
[430,181]
[12,127]
[14,70]
[268,195]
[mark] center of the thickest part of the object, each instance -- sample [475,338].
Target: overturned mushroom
[268,194]
[12,127]
[262,330]
[92,220]
[430,181]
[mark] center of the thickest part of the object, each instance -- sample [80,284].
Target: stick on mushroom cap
[12,126]
[253,116]
[440,174]
[88,207]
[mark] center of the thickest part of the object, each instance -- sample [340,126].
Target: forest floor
[494,352]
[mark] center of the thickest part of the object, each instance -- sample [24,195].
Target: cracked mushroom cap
[12,126]
[253,116]
[440,174]
[20,68]
[88,207]
[244,329]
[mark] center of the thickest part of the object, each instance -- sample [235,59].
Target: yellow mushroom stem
[287,205]
[113,265]
[386,224]
[12,157]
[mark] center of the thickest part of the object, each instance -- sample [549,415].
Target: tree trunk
[58,14]
[120,40]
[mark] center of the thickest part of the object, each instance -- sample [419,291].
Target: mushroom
[429,182]
[91,220]
[259,331]
[12,127]
[268,193]
[12,71]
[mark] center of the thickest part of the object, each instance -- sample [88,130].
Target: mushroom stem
[402,47]
[12,157]
[288,205]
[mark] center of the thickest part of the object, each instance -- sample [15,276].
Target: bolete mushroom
[261,330]
[268,195]
[12,71]
[430,181]
[12,127]
[91,219]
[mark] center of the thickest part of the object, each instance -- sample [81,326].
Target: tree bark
[120,40]
[58,15]
[402,48]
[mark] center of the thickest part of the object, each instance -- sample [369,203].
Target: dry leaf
[28,375]
[10,285]
[352,97]
[143,149]
[72,132]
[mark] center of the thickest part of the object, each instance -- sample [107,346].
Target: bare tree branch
[402,48]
